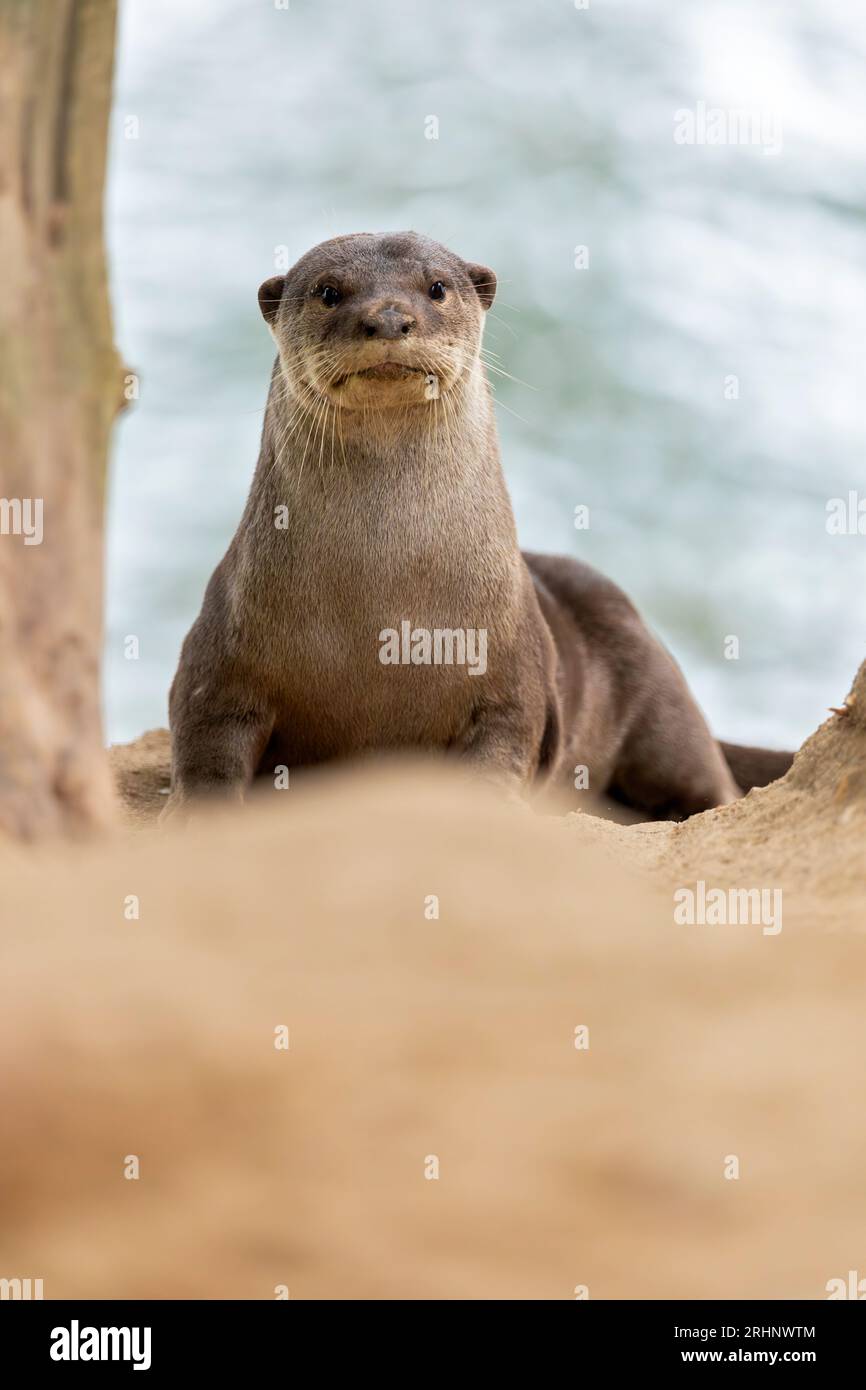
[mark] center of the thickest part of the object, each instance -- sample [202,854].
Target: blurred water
[261,127]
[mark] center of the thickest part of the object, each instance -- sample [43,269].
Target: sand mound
[141,772]
[420,1040]
[806,832]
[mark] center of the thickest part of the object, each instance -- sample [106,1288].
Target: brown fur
[379,455]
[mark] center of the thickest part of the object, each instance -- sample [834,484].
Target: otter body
[374,595]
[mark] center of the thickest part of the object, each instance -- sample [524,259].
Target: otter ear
[485,283]
[270,294]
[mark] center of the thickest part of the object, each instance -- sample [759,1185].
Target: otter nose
[389,321]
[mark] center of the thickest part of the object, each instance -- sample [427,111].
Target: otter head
[387,320]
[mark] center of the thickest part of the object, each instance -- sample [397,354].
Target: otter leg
[670,766]
[500,747]
[215,752]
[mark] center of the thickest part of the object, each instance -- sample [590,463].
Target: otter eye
[329,296]
[437,290]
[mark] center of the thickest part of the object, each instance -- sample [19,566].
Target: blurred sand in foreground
[453,1038]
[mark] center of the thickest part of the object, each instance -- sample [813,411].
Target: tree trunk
[60,388]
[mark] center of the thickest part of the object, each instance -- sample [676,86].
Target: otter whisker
[500,371]
[501,403]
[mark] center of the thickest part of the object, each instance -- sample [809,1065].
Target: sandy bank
[416,1037]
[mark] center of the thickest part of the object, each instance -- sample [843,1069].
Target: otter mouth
[383,371]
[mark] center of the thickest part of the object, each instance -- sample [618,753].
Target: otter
[374,596]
